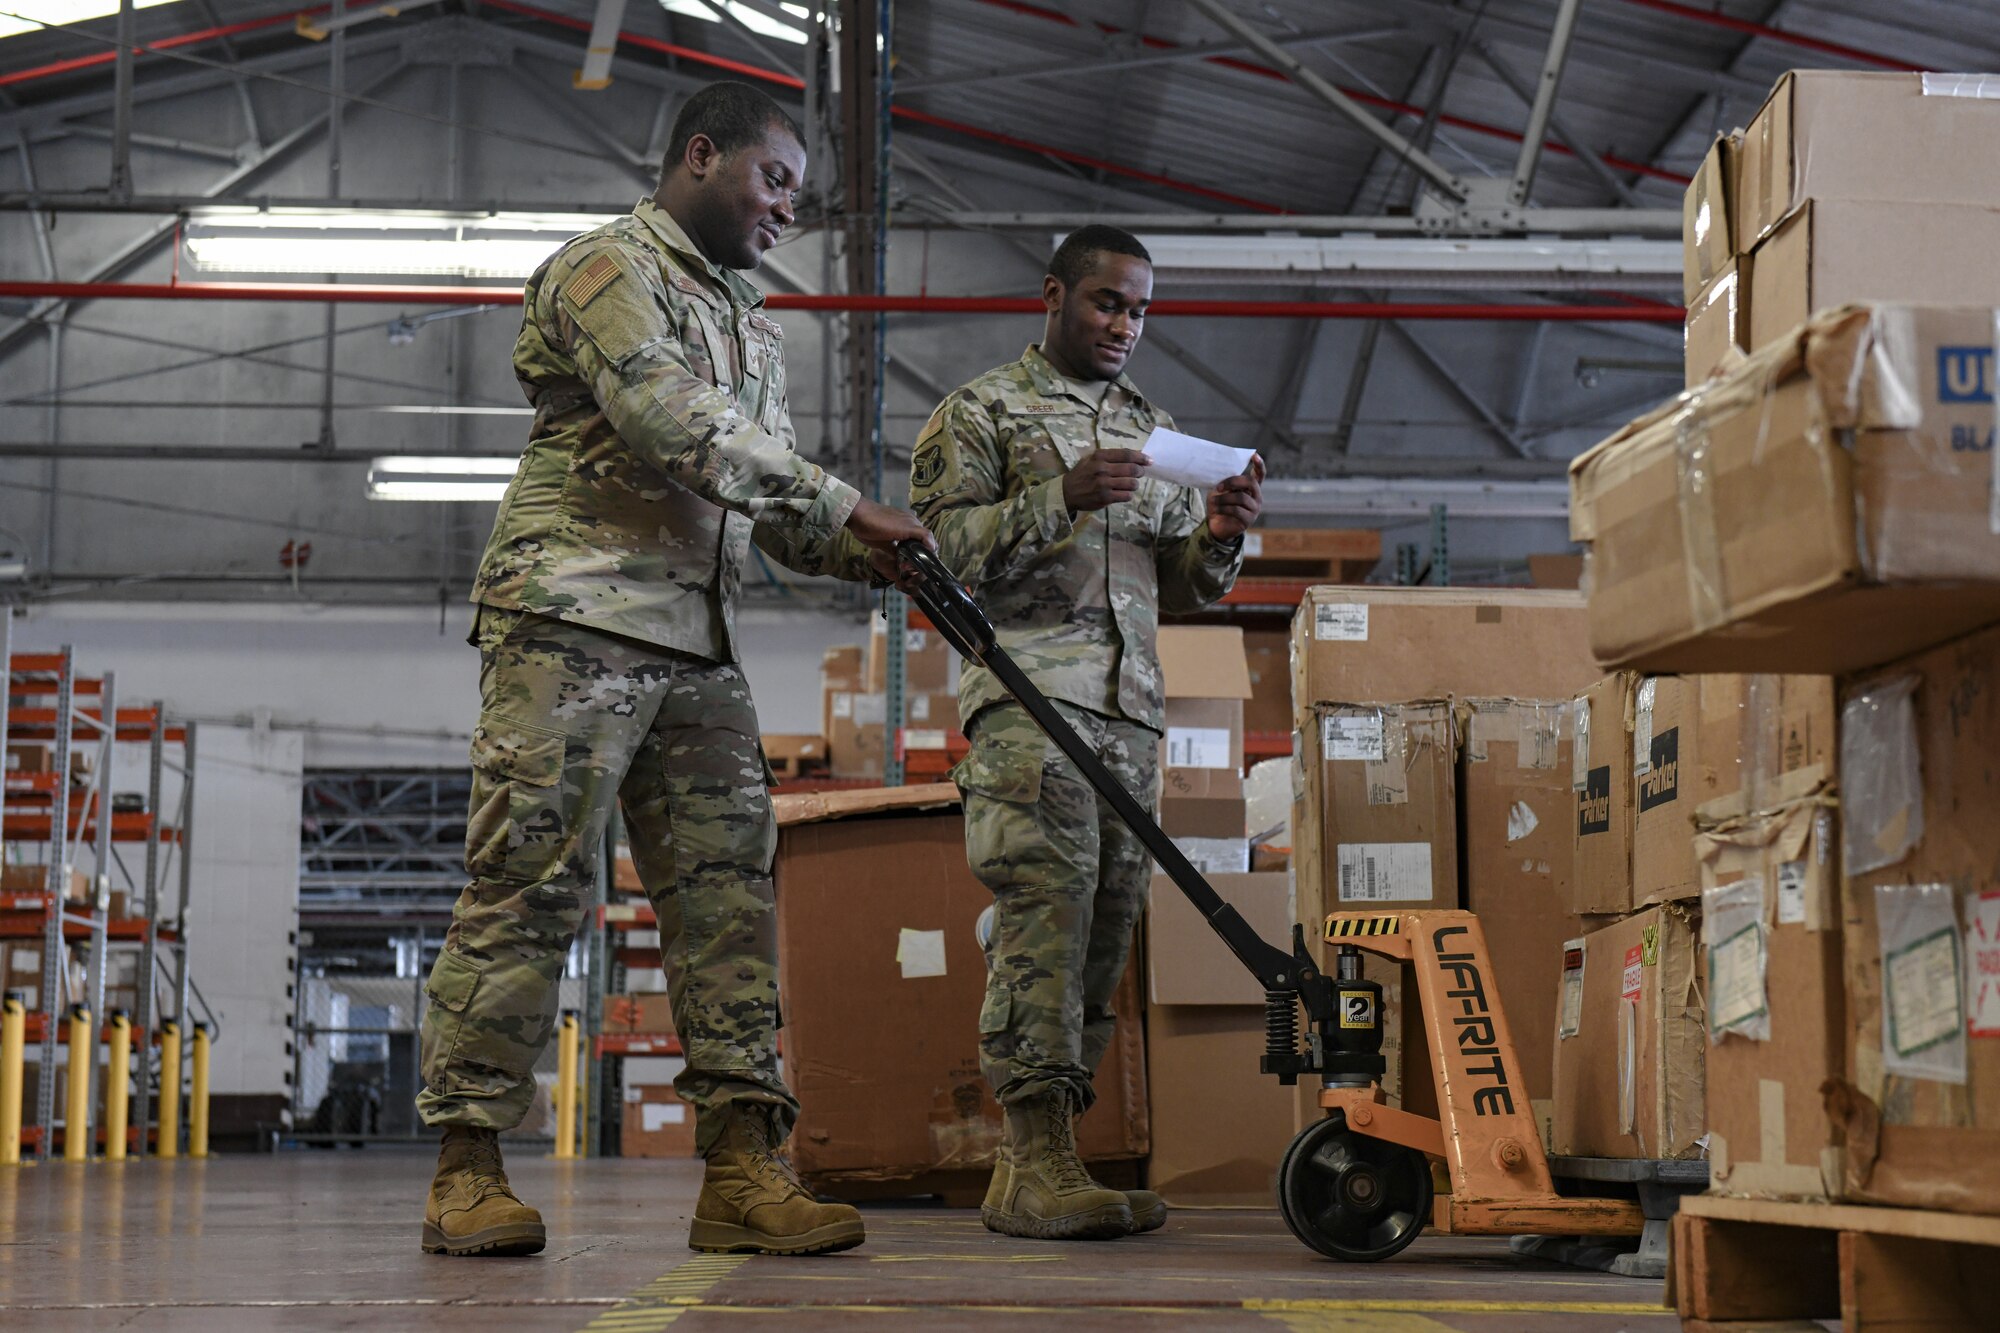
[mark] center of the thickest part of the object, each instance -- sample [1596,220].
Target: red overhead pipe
[1363,96]
[364,294]
[164,44]
[1799,39]
[900,112]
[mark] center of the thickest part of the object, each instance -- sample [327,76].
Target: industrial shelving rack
[45,700]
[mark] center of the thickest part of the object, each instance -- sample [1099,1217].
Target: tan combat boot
[752,1202]
[1046,1193]
[472,1210]
[1149,1210]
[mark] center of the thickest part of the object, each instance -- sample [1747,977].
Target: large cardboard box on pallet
[1269,655]
[1219,1127]
[883,981]
[1377,645]
[1601,792]
[1630,1040]
[1919,139]
[1920,1107]
[1771,974]
[1840,478]
[655,1123]
[1515,808]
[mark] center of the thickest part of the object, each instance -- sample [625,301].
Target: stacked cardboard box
[1219,1126]
[883,979]
[1385,814]
[1846,187]
[1206,679]
[851,719]
[656,1123]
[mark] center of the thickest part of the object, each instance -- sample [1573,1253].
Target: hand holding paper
[1187,460]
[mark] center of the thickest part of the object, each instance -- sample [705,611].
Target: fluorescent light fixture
[447,477]
[1419,262]
[60,12]
[495,245]
[755,19]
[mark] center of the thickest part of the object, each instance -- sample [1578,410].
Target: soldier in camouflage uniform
[662,450]
[1033,477]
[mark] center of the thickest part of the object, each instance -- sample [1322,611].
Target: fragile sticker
[1342,621]
[1353,736]
[1983,944]
[1375,872]
[1199,747]
[1792,893]
[1920,991]
[1635,975]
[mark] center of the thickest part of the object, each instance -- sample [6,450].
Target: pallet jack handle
[966,628]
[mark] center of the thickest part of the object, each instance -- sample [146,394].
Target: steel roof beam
[1143,59]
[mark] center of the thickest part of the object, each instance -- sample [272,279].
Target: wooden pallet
[1758,1264]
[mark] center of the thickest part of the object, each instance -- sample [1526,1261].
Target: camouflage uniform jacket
[662,446]
[1075,599]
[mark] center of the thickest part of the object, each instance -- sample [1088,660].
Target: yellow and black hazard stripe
[1353,927]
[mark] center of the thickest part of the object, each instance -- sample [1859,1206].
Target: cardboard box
[1187,962]
[1556,569]
[1335,554]
[1515,825]
[856,734]
[1211,831]
[1666,790]
[1708,243]
[1269,655]
[883,979]
[1756,729]
[1219,1127]
[29,757]
[35,879]
[1601,786]
[1918,139]
[790,755]
[842,670]
[1839,252]
[1206,679]
[1718,322]
[1841,477]
[644,1012]
[656,1123]
[1771,975]
[932,712]
[1920,1108]
[1377,823]
[930,666]
[1384,645]
[21,971]
[1630,1040]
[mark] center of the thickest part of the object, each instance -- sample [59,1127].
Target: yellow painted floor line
[655,1306]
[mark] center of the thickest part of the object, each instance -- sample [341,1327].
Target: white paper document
[1187,460]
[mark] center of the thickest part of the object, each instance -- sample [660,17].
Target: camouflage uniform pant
[573,720]
[1068,882]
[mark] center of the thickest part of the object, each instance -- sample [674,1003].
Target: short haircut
[1077,255]
[732,115]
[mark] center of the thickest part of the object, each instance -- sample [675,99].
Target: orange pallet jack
[1358,1184]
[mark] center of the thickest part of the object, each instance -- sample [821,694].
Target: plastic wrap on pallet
[1880,775]
[1923,982]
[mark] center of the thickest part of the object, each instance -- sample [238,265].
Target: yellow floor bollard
[198,1095]
[566,1039]
[13,1050]
[118,1087]
[170,1090]
[76,1116]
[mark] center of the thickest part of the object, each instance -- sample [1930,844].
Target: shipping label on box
[1372,872]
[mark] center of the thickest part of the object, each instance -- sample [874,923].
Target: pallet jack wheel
[1352,1197]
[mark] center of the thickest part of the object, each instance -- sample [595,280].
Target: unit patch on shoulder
[591,279]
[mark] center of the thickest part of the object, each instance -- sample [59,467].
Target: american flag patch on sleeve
[591,279]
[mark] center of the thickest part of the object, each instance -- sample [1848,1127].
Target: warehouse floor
[329,1240]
